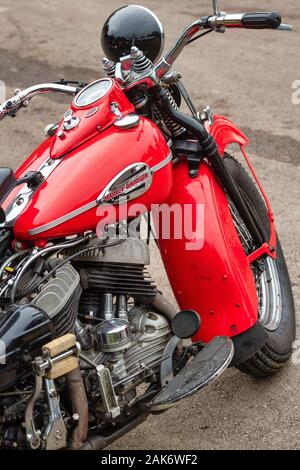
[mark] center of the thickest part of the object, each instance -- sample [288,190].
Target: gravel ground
[246,75]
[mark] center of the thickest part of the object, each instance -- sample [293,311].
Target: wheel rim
[270,298]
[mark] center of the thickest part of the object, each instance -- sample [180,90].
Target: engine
[106,299]
[117,326]
[131,349]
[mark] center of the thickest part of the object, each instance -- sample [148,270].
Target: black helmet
[129,26]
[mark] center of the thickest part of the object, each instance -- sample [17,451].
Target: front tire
[277,312]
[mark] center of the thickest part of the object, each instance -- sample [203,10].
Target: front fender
[206,265]
[225,133]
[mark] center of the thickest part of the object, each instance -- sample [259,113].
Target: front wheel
[275,298]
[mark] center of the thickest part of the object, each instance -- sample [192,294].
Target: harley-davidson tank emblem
[131,183]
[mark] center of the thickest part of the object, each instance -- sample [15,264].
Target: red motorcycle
[88,344]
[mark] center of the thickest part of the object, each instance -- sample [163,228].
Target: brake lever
[285,27]
[79,83]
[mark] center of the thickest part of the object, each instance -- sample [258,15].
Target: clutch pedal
[205,367]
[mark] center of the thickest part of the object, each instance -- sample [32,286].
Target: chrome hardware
[68,116]
[108,396]
[22,98]
[175,77]
[61,135]
[126,62]
[70,121]
[216,7]
[91,112]
[285,27]
[109,67]
[140,62]
[229,20]
[32,434]
[25,194]
[115,109]
[127,122]
[82,336]
[129,184]
[93,92]
[122,76]
[270,308]
[187,98]
[207,115]
[108,307]
[43,365]
[167,367]
[55,433]
[166,63]
[50,129]
[172,126]
[114,335]
[121,309]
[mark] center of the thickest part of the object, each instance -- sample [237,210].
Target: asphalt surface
[245,75]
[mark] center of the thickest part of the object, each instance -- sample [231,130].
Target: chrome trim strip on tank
[90,205]
[63,219]
[162,164]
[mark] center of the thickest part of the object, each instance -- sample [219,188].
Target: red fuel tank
[101,154]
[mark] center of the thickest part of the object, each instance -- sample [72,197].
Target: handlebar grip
[262,20]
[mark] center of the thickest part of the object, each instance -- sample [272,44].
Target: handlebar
[11,106]
[218,22]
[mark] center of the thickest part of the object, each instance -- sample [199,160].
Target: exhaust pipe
[164,307]
[79,407]
[100,442]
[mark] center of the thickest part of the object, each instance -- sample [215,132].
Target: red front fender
[225,133]
[208,271]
